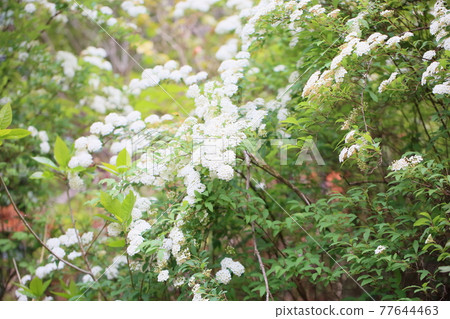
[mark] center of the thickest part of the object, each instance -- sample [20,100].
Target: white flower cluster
[228,50]
[75,181]
[172,246]
[347,152]
[224,276]
[68,239]
[439,25]
[168,71]
[247,33]
[163,275]
[30,8]
[73,255]
[96,56]
[114,229]
[443,88]
[380,249]
[336,72]
[114,99]
[429,55]
[43,271]
[387,13]
[135,239]
[317,10]
[42,135]
[199,5]
[134,8]
[385,83]
[231,23]
[406,162]
[95,271]
[112,271]
[431,70]
[69,63]
[396,39]
[197,293]
[23,281]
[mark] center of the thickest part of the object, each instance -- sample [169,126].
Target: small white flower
[429,55]
[379,249]
[30,8]
[163,276]
[223,276]
[73,255]
[429,239]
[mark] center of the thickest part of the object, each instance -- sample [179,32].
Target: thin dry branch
[24,221]
[255,246]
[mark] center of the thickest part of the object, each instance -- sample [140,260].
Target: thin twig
[17,270]
[255,246]
[278,176]
[80,244]
[24,221]
[96,237]
[261,265]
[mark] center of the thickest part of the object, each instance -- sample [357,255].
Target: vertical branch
[129,270]
[17,270]
[255,246]
[80,244]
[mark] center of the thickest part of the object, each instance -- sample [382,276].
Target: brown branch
[255,246]
[278,176]
[96,237]
[24,221]
[80,244]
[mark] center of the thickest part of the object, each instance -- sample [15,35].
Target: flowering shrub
[199,204]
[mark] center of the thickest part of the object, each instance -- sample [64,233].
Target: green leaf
[37,287]
[416,246]
[5,116]
[421,221]
[42,175]
[209,206]
[112,205]
[373,96]
[123,160]
[444,269]
[45,161]
[109,168]
[61,152]
[127,207]
[37,175]
[116,242]
[110,219]
[4,132]
[16,133]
